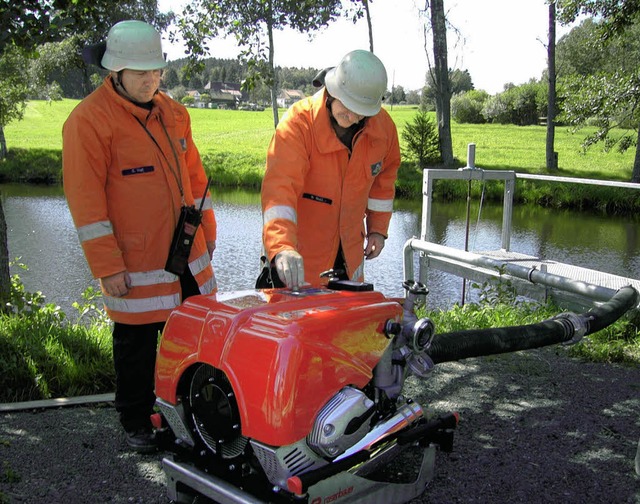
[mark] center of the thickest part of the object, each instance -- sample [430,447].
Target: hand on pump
[290,267]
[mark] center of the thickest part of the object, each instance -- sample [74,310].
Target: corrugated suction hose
[566,328]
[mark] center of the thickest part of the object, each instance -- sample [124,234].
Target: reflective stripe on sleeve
[95,230]
[208,205]
[199,264]
[142,305]
[380,205]
[209,286]
[280,212]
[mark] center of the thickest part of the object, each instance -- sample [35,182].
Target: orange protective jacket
[317,193]
[127,171]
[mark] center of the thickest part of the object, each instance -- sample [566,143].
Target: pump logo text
[334,497]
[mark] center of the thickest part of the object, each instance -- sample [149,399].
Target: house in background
[196,99]
[225,94]
[288,97]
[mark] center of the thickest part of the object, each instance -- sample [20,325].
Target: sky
[499,41]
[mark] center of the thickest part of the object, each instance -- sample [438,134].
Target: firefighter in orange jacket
[130,166]
[330,178]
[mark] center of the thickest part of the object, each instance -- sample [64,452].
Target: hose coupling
[578,326]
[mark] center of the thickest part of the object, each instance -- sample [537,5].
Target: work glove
[290,268]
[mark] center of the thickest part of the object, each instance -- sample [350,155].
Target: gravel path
[535,426]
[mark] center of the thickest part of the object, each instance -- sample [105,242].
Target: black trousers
[134,359]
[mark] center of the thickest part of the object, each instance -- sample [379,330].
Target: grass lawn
[246,134]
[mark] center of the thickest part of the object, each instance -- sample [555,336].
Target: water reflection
[41,232]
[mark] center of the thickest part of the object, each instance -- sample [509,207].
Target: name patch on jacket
[317,198]
[137,170]
[376,168]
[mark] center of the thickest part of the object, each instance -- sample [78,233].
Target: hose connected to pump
[567,328]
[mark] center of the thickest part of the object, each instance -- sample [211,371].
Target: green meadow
[239,139]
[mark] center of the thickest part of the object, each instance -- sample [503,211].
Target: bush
[421,139]
[519,105]
[467,107]
[43,354]
[33,166]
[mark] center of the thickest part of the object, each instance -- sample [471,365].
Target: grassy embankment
[44,353]
[233,145]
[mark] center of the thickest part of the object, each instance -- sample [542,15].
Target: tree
[14,90]
[196,82]
[24,26]
[170,78]
[459,82]
[582,51]
[552,160]
[441,77]
[578,52]
[607,101]
[5,274]
[397,94]
[54,61]
[421,138]
[356,10]
[252,24]
[413,97]
[611,98]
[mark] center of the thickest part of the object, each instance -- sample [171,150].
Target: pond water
[41,233]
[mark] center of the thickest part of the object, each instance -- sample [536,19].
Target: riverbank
[44,167]
[233,144]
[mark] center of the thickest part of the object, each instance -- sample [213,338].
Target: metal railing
[470,173]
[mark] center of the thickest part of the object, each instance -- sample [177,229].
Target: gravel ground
[534,426]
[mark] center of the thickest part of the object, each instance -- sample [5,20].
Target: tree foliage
[29,23]
[607,96]
[459,81]
[398,95]
[608,101]
[58,62]
[582,51]
[252,24]
[616,15]
[14,90]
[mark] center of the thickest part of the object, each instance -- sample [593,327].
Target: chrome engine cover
[341,423]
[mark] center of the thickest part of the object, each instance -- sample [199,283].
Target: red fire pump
[295,396]
[282,396]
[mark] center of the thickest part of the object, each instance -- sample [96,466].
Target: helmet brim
[116,64]
[335,89]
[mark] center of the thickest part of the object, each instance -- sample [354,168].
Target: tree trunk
[635,175]
[3,144]
[552,160]
[5,277]
[274,82]
[443,87]
[366,10]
